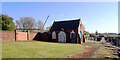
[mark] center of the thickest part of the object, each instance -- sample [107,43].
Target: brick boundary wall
[16,36]
[32,36]
[8,35]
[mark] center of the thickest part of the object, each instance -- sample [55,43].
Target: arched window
[73,37]
[53,35]
[71,34]
[61,36]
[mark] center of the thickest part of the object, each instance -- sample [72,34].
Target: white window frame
[71,33]
[54,35]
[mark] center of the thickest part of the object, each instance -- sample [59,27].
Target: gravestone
[103,41]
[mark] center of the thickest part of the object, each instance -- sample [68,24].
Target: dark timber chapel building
[68,31]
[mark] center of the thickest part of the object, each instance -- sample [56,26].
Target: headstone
[103,40]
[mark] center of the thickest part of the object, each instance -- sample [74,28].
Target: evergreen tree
[7,23]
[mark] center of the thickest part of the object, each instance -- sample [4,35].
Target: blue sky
[101,16]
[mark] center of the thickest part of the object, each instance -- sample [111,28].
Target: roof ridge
[68,20]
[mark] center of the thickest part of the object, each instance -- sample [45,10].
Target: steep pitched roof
[66,25]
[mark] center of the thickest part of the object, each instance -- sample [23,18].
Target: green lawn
[113,35]
[30,49]
[86,41]
[110,35]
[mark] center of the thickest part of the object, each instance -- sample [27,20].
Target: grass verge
[30,49]
[92,41]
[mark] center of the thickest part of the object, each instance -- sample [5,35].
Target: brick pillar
[1,35]
[16,35]
[78,39]
[28,35]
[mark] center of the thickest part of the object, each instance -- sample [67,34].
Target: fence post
[16,35]
[28,35]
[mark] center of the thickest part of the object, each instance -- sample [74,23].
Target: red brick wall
[67,35]
[15,36]
[32,36]
[8,36]
[43,36]
[80,28]
[22,36]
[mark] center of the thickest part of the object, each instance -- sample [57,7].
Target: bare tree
[26,23]
[39,25]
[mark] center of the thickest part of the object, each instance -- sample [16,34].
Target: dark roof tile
[66,25]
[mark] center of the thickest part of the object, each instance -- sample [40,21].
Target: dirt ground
[88,52]
[94,50]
